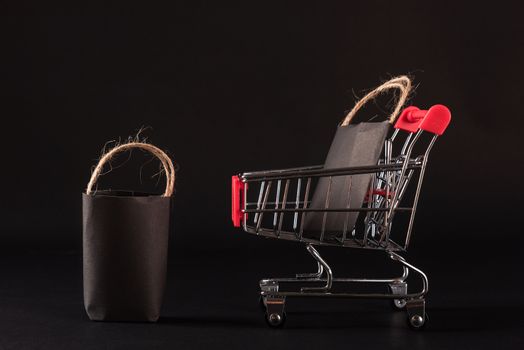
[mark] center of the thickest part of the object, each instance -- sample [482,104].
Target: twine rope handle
[402,83]
[169,168]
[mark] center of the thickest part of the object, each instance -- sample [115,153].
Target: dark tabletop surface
[211,300]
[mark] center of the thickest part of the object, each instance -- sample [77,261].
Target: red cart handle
[435,120]
[237,200]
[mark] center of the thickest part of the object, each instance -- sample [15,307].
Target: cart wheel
[398,304]
[275,320]
[417,322]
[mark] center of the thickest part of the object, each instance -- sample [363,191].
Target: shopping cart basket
[350,201]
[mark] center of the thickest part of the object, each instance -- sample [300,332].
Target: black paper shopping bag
[354,145]
[125,237]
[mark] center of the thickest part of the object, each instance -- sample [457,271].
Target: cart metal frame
[289,203]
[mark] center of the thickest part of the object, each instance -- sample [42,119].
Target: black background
[227,88]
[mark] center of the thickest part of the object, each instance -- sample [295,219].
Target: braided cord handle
[157,152]
[402,83]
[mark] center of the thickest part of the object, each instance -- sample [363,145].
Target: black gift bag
[354,145]
[125,237]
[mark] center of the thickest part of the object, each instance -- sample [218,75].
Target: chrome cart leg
[266,286]
[314,275]
[273,305]
[416,305]
[416,309]
[275,314]
[324,266]
[400,289]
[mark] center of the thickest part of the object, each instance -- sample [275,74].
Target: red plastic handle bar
[435,120]
[237,200]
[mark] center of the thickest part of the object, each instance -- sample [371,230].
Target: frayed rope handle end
[157,152]
[402,83]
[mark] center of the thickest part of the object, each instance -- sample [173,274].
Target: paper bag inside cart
[353,145]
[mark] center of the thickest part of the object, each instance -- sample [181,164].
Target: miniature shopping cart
[352,205]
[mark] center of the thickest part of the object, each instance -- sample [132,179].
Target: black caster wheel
[275,320]
[417,322]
